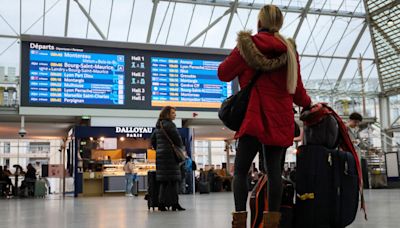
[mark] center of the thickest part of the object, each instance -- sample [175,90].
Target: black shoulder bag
[233,109]
[179,152]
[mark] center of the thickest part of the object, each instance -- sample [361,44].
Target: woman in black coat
[168,171]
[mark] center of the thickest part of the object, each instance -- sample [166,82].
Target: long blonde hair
[271,18]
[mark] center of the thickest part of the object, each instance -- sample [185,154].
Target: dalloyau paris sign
[134,132]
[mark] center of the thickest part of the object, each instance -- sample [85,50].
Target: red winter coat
[269,115]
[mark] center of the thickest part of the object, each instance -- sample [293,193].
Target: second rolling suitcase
[326,188]
[152,191]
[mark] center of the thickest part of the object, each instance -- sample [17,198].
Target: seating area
[218,180]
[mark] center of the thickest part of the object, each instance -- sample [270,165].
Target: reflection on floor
[205,211]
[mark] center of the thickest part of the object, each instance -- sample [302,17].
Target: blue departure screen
[187,83]
[71,76]
[83,76]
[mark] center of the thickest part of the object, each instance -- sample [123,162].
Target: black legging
[168,195]
[247,149]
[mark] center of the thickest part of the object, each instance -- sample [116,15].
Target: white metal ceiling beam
[20,17]
[228,25]
[303,16]
[378,65]
[87,24]
[9,25]
[44,16]
[153,16]
[390,54]
[66,19]
[211,17]
[393,124]
[91,20]
[208,27]
[248,16]
[257,6]
[162,22]
[355,73]
[34,23]
[170,23]
[109,19]
[9,36]
[341,93]
[333,57]
[384,8]
[130,20]
[349,55]
[337,46]
[386,37]
[190,24]
[8,47]
[322,45]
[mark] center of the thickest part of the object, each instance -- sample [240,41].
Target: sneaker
[129,195]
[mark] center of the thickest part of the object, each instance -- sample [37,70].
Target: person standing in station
[168,171]
[129,169]
[269,118]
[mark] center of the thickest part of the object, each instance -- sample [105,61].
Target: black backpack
[233,109]
[324,132]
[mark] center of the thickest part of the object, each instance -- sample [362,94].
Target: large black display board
[81,76]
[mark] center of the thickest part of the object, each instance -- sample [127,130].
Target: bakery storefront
[99,156]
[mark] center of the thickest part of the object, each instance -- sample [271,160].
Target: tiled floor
[203,211]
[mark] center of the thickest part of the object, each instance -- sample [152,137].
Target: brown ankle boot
[239,219]
[271,219]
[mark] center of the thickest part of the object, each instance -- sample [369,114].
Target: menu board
[81,76]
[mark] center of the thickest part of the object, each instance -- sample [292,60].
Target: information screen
[187,83]
[63,75]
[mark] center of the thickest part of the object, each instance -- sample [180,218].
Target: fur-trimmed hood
[254,57]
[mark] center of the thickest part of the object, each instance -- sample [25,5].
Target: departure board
[67,77]
[84,76]
[187,83]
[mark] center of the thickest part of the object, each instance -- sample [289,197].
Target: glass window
[39,147]
[7,147]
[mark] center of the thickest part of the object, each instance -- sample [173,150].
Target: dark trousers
[168,194]
[247,149]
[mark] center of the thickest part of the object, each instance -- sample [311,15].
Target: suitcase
[152,191]
[326,188]
[217,185]
[40,188]
[204,187]
[346,183]
[135,188]
[287,204]
[259,203]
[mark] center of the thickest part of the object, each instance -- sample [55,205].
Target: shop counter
[93,184]
[116,183]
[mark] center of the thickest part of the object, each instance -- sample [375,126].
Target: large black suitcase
[152,191]
[204,187]
[326,188]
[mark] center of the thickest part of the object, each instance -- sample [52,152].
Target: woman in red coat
[269,119]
